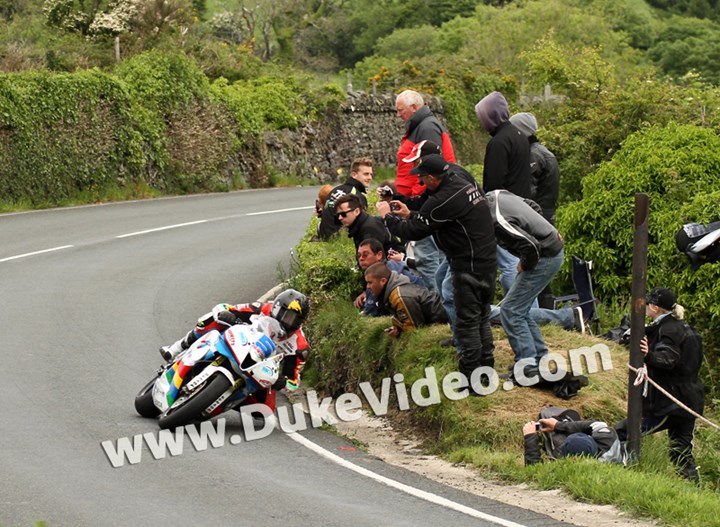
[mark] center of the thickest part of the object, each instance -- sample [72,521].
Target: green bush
[163,82]
[156,123]
[326,270]
[63,134]
[678,167]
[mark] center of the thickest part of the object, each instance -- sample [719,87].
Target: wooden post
[637,322]
[117,48]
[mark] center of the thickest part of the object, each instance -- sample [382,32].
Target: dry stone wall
[365,125]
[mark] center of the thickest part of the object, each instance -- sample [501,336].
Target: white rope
[642,376]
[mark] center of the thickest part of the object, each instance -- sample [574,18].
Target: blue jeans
[507,264]
[522,331]
[443,282]
[563,317]
[427,259]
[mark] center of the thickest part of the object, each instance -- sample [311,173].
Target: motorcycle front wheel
[191,410]
[144,404]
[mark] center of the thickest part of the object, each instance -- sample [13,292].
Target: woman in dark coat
[673,356]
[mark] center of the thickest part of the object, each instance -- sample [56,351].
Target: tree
[9,8]
[678,167]
[688,44]
[694,8]
[115,17]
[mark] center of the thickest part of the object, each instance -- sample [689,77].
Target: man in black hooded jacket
[507,155]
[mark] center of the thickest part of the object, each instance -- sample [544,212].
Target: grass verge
[349,349]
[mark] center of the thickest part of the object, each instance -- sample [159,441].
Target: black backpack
[700,243]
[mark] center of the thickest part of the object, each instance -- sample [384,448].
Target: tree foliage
[687,45]
[694,8]
[678,167]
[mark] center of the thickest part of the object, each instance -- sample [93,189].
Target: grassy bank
[349,349]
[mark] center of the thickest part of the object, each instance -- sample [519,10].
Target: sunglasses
[343,213]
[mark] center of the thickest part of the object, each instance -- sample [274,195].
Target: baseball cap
[423,148]
[662,297]
[579,444]
[433,165]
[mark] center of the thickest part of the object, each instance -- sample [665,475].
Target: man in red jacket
[420,125]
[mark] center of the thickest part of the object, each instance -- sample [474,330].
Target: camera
[394,206]
[386,192]
[538,426]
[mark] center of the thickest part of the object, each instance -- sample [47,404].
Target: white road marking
[428,496]
[36,252]
[278,210]
[162,228]
[167,227]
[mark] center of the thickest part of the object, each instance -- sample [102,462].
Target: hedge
[678,167]
[155,121]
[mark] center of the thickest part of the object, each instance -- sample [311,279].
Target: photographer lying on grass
[568,435]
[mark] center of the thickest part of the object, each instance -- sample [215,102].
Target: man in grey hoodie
[507,154]
[521,230]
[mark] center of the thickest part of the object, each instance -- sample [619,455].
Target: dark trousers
[680,429]
[473,293]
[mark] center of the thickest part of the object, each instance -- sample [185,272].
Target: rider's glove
[280,383]
[227,317]
[291,385]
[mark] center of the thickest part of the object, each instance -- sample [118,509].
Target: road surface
[88,295]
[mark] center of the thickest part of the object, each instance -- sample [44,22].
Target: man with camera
[457,216]
[360,225]
[566,435]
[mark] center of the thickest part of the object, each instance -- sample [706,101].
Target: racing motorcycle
[217,373]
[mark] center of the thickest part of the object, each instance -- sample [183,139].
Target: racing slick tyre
[144,404]
[192,408]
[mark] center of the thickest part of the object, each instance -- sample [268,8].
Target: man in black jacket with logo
[456,214]
[361,174]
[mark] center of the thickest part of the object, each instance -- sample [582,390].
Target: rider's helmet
[290,308]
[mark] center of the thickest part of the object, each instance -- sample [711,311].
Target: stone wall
[366,125]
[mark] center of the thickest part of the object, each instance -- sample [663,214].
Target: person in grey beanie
[544,169]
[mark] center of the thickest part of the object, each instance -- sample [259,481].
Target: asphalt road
[87,295]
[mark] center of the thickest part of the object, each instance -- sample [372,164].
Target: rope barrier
[643,377]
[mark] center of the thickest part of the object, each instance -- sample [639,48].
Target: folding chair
[584,296]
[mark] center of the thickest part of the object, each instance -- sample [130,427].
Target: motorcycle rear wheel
[144,404]
[191,410]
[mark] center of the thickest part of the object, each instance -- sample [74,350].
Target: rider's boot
[169,353]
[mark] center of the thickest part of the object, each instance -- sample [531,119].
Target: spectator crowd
[439,241]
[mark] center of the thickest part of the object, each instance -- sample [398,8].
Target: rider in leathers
[290,308]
